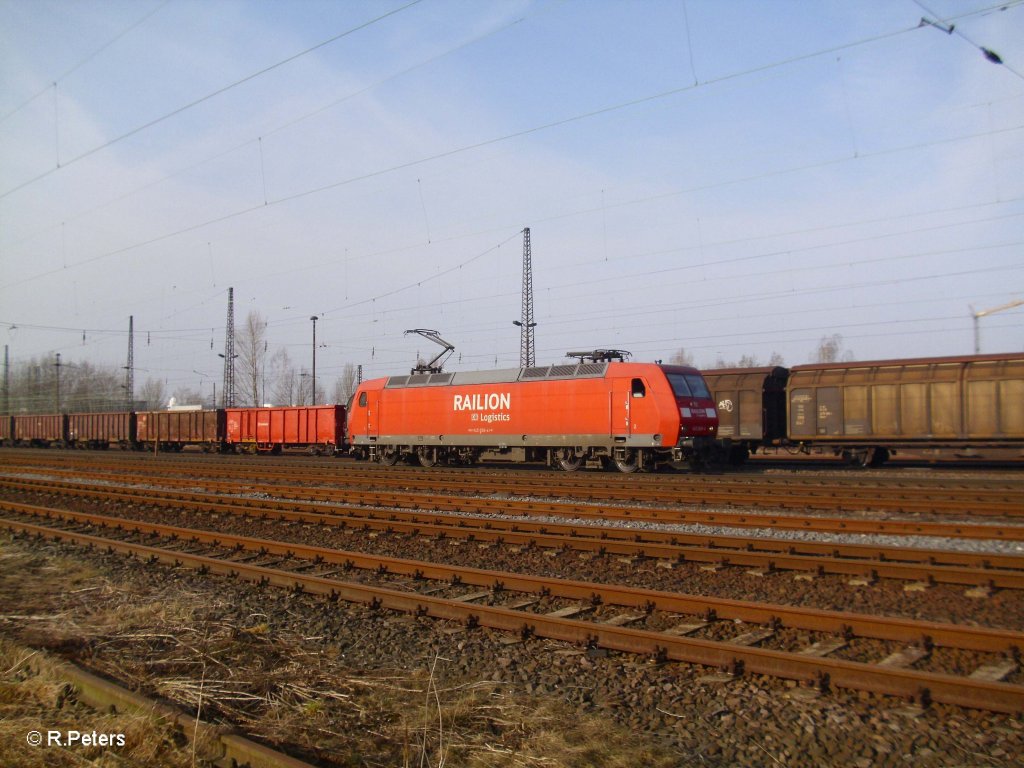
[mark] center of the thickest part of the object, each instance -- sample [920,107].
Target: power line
[525,132]
[84,61]
[363,177]
[290,123]
[989,54]
[205,98]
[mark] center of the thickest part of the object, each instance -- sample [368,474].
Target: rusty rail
[1002,571]
[836,622]
[908,683]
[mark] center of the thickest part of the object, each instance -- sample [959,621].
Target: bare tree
[345,386]
[830,350]
[153,394]
[748,361]
[681,357]
[285,378]
[251,346]
[187,396]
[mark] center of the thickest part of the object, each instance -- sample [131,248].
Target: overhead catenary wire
[83,61]
[618,279]
[300,194]
[619,255]
[953,30]
[363,177]
[207,97]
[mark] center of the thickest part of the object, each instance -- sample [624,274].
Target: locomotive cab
[698,419]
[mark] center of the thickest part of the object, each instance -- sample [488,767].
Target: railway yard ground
[336,613]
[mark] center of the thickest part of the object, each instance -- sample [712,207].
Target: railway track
[532,507]
[859,560]
[233,556]
[974,496]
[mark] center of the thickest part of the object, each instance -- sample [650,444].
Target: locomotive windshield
[688,385]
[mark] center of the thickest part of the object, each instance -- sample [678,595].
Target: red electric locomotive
[629,416]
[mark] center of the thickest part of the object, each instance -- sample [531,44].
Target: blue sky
[732,178]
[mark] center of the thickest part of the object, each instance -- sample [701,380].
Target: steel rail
[999,571]
[464,504]
[930,556]
[798,617]
[835,497]
[1007,486]
[897,681]
[234,749]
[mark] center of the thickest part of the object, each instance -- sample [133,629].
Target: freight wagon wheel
[738,455]
[567,459]
[858,457]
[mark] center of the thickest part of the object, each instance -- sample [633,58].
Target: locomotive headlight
[686,412]
[712,414]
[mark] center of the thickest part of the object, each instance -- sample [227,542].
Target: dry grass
[197,650]
[34,697]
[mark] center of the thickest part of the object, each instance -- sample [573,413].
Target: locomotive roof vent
[563,370]
[534,373]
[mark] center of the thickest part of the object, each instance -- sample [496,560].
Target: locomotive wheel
[427,456]
[568,460]
[389,457]
[629,464]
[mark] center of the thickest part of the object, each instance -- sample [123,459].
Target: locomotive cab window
[362,399]
[639,390]
[688,385]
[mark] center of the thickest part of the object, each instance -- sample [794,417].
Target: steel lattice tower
[527,350]
[7,382]
[129,370]
[229,353]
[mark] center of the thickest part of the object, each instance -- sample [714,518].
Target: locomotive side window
[639,390]
[362,399]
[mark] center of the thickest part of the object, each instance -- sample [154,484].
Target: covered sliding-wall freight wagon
[101,430]
[320,428]
[870,410]
[873,408]
[751,406]
[627,415]
[176,429]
